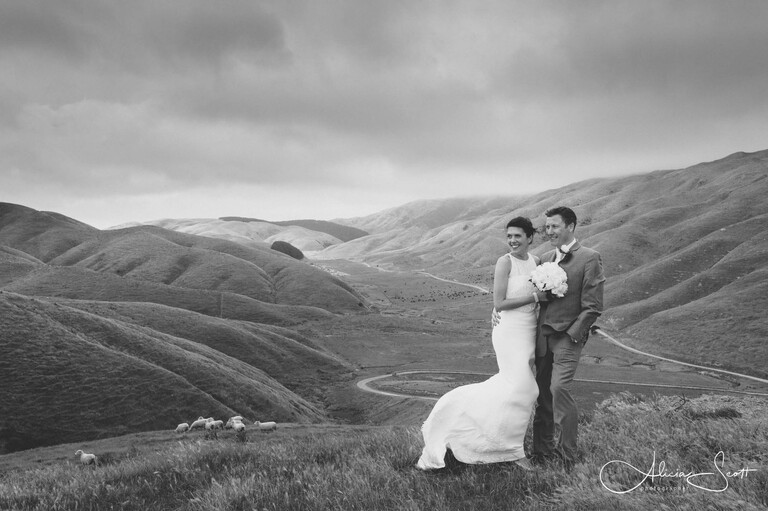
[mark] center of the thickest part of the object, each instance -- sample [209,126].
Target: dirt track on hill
[633,350]
[364,384]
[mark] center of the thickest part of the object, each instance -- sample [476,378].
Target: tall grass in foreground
[372,469]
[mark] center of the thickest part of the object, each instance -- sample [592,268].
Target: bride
[486,422]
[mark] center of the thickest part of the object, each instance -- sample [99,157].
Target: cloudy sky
[114,111]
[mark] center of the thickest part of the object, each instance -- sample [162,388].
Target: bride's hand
[495,317]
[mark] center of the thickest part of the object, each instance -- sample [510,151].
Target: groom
[564,325]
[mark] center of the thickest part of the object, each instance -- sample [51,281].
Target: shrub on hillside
[288,249]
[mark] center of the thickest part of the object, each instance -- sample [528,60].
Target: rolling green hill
[71,372]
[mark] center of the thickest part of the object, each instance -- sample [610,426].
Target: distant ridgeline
[342,232]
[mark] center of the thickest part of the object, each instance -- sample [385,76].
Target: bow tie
[563,256]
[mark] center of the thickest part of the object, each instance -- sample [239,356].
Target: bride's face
[517,240]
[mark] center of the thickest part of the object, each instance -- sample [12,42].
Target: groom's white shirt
[561,251]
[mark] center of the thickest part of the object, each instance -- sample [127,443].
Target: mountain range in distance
[305,235]
[202,314]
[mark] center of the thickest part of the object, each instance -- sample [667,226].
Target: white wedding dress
[486,422]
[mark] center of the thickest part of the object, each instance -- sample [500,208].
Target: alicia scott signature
[709,481]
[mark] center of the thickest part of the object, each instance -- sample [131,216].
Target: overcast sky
[114,111]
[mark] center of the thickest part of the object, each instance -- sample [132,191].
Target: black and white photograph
[383,255]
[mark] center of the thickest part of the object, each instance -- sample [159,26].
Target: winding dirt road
[473,286]
[633,350]
[364,384]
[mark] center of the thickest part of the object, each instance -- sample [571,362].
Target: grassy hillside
[294,360]
[428,214]
[109,332]
[682,249]
[15,263]
[41,234]
[69,374]
[371,468]
[78,283]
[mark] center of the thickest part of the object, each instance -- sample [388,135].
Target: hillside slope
[71,374]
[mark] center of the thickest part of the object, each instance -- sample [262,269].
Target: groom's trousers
[555,423]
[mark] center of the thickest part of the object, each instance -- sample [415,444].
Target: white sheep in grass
[266,426]
[210,425]
[183,427]
[85,458]
[232,421]
[238,426]
[200,423]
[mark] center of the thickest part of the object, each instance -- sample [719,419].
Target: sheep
[199,423]
[266,426]
[183,427]
[86,459]
[214,425]
[239,428]
[232,421]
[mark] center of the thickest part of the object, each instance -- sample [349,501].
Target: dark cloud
[686,51]
[156,96]
[141,34]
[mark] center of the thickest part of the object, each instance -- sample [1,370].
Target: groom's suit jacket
[582,304]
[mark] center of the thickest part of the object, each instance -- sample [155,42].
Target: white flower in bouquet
[550,277]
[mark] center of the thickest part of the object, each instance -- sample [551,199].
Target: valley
[430,335]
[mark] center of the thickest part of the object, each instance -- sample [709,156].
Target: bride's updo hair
[523,223]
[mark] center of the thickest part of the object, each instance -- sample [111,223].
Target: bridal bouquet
[550,277]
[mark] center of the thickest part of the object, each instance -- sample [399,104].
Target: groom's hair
[523,223]
[569,217]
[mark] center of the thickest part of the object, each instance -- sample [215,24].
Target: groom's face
[558,233]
